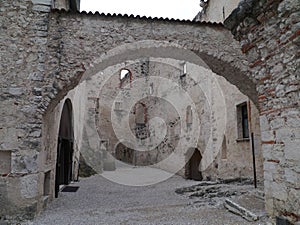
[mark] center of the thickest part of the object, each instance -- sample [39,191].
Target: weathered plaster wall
[238,160]
[269,35]
[116,110]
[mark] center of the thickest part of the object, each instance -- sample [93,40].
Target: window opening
[243,124]
[125,76]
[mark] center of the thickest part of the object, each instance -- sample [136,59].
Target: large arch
[88,37]
[88,48]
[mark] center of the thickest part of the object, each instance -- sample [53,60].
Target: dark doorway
[192,167]
[124,154]
[64,159]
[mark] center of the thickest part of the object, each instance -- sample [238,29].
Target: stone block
[270,166]
[292,150]
[264,123]
[268,176]
[29,186]
[277,123]
[24,163]
[267,135]
[279,191]
[267,151]
[294,201]
[237,209]
[269,203]
[16,91]
[293,122]
[41,8]
[8,138]
[284,134]
[3,194]
[291,176]
[5,162]
[41,2]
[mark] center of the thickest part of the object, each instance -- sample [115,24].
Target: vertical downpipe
[252,144]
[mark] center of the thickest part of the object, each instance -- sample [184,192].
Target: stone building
[212,97]
[50,53]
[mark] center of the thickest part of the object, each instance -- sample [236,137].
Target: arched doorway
[64,159]
[124,154]
[192,166]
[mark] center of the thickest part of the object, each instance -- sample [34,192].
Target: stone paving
[101,201]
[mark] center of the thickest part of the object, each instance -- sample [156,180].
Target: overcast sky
[178,9]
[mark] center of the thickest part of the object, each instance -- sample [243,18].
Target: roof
[131,16]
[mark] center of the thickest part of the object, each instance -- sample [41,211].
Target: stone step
[239,210]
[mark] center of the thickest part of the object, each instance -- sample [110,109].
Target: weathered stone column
[269,35]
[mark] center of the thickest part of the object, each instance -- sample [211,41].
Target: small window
[125,77]
[242,121]
[124,73]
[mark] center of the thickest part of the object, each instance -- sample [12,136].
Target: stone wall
[23,48]
[269,35]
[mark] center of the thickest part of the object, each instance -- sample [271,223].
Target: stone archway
[64,160]
[86,39]
[71,73]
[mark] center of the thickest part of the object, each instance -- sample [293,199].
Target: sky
[177,9]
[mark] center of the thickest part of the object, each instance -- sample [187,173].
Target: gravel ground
[100,201]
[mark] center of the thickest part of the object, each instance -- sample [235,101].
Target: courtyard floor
[173,201]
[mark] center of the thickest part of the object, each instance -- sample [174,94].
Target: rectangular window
[242,121]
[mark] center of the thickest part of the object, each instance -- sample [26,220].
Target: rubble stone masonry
[269,33]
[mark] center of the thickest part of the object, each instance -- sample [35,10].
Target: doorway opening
[65,150]
[124,154]
[192,171]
